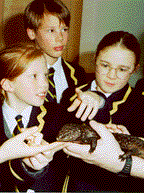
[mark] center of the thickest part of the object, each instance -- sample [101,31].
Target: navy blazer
[51,178]
[125,107]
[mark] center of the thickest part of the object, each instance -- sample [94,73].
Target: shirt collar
[56,65]
[94,88]
[10,114]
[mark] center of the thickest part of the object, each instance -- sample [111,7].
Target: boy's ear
[31,34]
[6,85]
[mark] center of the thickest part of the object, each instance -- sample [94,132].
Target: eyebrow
[118,66]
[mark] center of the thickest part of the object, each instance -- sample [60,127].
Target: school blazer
[15,176]
[130,110]
[75,74]
[125,107]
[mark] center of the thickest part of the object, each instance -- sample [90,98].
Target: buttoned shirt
[10,114]
[59,78]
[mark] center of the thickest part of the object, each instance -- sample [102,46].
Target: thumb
[101,130]
[78,92]
[27,132]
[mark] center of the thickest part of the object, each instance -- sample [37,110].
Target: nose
[112,74]
[60,36]
[44,83]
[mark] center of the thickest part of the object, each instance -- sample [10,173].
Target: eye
[65,29]
[104,65]
[50,30]
[123,69]
[34,76]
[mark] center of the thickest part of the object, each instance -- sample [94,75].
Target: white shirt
[59,78]
[10,114]
[94,88]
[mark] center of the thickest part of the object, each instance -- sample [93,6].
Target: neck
[18,106]
[50,60]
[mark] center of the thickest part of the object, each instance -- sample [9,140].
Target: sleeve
[24,176]
[132,111]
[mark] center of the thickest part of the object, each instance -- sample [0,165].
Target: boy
[47,23]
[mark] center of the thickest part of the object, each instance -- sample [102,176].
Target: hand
[88,103]
[42,159]
[117,129]
[107,151]
[15,147]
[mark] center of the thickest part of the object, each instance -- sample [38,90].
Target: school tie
[51,95]
[20,125]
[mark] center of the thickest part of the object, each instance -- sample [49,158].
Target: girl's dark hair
[35,11]
[123,39]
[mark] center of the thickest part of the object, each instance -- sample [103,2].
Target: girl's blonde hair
[15,60]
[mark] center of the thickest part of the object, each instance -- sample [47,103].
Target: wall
[12,25]
[99,17]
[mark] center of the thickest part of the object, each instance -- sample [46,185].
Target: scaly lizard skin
[84,134]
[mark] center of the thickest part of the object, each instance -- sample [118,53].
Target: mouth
[109,84]
[59,48]
[42,95]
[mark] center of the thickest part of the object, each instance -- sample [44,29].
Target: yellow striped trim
[40,118]
[65,186]
[51,74]
[72,72]
[16,189]
[13,172]
[53,96]
[19,128]
[46,99]
[115,104]
[75,95]
[142,93]
[51,83]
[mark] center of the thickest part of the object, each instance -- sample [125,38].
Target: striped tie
[20,125]
[51,95]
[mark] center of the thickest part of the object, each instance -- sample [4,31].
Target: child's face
[52,36]
[114,65]
[30,87]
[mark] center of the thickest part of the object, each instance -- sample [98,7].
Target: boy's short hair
[35,11]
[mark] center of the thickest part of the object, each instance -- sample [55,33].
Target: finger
[101,129]
[71,153]
[44,142]
[27,162]
[81,110]
[41,158]
[123,129]
[26,133]
[38,139]
[36,165]
[79,93]
[55,146]
[93,113]
[74,105]
[77,149]
[86,113]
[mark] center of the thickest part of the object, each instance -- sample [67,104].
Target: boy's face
[30,88]
[114,65]
[51,36]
